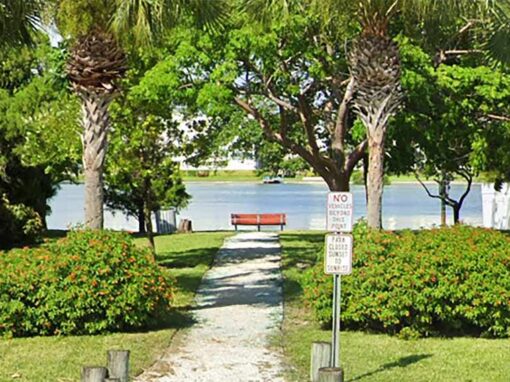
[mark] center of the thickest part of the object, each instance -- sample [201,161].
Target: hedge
[444,281]
[87,283]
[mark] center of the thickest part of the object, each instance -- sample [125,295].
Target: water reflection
[404,205]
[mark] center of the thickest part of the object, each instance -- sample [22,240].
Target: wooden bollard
[118,364]
[320,357]
[93,374]
[331,374]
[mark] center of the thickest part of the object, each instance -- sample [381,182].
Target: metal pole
[335,343]
[338,309]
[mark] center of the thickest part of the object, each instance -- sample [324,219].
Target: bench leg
[258,227]
[236,227]
[281,227]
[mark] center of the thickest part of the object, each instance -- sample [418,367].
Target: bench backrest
[262,219]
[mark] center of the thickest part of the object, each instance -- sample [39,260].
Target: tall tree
[99,29]
[141,173]
[287,82]
[38,145]
[446,131]
[374,61]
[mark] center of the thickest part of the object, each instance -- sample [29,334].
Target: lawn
[227,176]
[41,359]
[221,176]
[375,357]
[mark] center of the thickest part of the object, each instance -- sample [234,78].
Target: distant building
[221,164]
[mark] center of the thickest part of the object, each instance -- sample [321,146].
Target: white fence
[166,221]
[496,206]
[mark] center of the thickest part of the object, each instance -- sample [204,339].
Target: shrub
[19,224]
[445,281]
[88,283]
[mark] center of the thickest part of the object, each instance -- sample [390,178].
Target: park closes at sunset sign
[339,212]
[338,259]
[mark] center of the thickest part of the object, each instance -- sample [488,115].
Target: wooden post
[320,357]
[331,374]
[93,374]
[118,364]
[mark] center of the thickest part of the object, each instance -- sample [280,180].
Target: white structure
[223,164]
[496,206]
[166,221]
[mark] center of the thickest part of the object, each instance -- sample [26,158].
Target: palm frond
[18,20]
[498,41]
[266,11]
[143,20]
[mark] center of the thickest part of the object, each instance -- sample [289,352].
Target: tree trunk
[340,183]
[148,225]
[442,194]
[94,139]
[141,219]
[365,176]
[375,180]
[456,214]
[148,206]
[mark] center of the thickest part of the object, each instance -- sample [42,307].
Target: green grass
[375,357]
[221,176]
[188,257]
[226,176]
[42,359]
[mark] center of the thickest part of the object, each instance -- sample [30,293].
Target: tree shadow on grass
[188,282]
[175,318]
[187,259]
[401,362]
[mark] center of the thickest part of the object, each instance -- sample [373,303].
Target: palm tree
[18,21]
[99,31]
[374,60]
[498,29]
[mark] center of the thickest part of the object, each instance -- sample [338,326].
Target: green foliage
[39,144]
[441,281]
[19,224]
[88,283]
[135,22]
[143,176]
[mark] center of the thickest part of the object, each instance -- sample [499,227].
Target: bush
[19,224]
[447,281]
[87,283]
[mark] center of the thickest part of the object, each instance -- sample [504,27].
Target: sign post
[338,257]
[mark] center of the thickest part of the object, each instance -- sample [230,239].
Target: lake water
[404,205]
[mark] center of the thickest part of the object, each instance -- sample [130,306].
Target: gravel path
[239,306]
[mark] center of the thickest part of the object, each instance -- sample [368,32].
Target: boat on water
[272,180]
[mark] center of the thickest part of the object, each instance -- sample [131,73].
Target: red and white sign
[340,212]
[338,258]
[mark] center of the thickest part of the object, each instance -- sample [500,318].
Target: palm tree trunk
[375,182]
[94,139]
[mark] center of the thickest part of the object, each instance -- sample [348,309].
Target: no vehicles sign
[338,259]
[340,212]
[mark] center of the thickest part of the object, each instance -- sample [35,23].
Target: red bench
[258,220]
